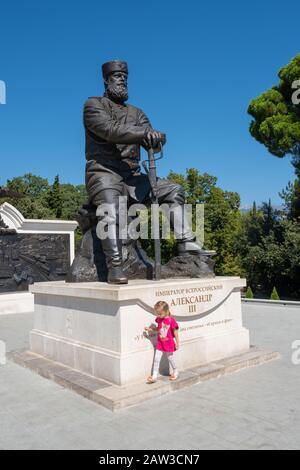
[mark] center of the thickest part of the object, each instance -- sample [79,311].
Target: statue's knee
[177,194]
[107,196]
[108,212]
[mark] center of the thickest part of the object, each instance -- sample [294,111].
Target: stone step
[116,397]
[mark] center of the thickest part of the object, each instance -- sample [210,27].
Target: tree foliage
[249,293]
[291,197]
[276,119]
[274,294]
[40,200]
[271,240]
[54,198]
[222,220]
[276,124]
[270,251]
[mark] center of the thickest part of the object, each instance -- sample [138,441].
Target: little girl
[167,331]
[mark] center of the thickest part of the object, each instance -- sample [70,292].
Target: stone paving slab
[115,397]
[256,408]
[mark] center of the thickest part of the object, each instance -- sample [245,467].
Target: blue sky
[193,68]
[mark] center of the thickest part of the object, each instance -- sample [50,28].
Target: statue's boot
[186,240]
[116,274]
[192,247]
[112,248]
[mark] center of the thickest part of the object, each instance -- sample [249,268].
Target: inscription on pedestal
[187,301]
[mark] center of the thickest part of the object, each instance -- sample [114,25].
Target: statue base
[98,329]
[89,264]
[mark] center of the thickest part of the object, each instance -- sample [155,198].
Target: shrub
[249,293]
[274,295]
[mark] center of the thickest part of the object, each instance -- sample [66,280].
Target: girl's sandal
[151,380]
[173,377]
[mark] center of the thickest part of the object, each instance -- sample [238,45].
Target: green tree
[29,185]
[291,198]
[39,200]
[54,198]
[252,228]
[197,187]
[274,257]
[274,294]
[276,123]
[249,293]
[73,197]
[33,190]
[222,223]
[222,219]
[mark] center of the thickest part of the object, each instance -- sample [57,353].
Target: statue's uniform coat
[114,134]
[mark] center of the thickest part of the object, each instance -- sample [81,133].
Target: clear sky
[193,68]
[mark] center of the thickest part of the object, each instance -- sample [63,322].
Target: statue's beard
[118,93]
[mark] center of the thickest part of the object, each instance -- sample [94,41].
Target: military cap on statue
[114,66]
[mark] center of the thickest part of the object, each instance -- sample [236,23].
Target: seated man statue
[115,132]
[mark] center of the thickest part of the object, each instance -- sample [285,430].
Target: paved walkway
[257,408]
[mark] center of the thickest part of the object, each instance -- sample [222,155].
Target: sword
[150,168]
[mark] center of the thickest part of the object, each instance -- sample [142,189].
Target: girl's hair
[162,306]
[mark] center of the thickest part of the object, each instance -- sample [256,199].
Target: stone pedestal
[98,329]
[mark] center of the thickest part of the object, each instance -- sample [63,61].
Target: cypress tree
[274,295]
[55,201]
[249,293]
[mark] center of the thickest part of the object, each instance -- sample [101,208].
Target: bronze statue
[115,132]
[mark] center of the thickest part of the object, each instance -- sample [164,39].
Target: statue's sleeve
[143,120]
[98,121]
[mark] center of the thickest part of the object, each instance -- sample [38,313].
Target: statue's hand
[153,138]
